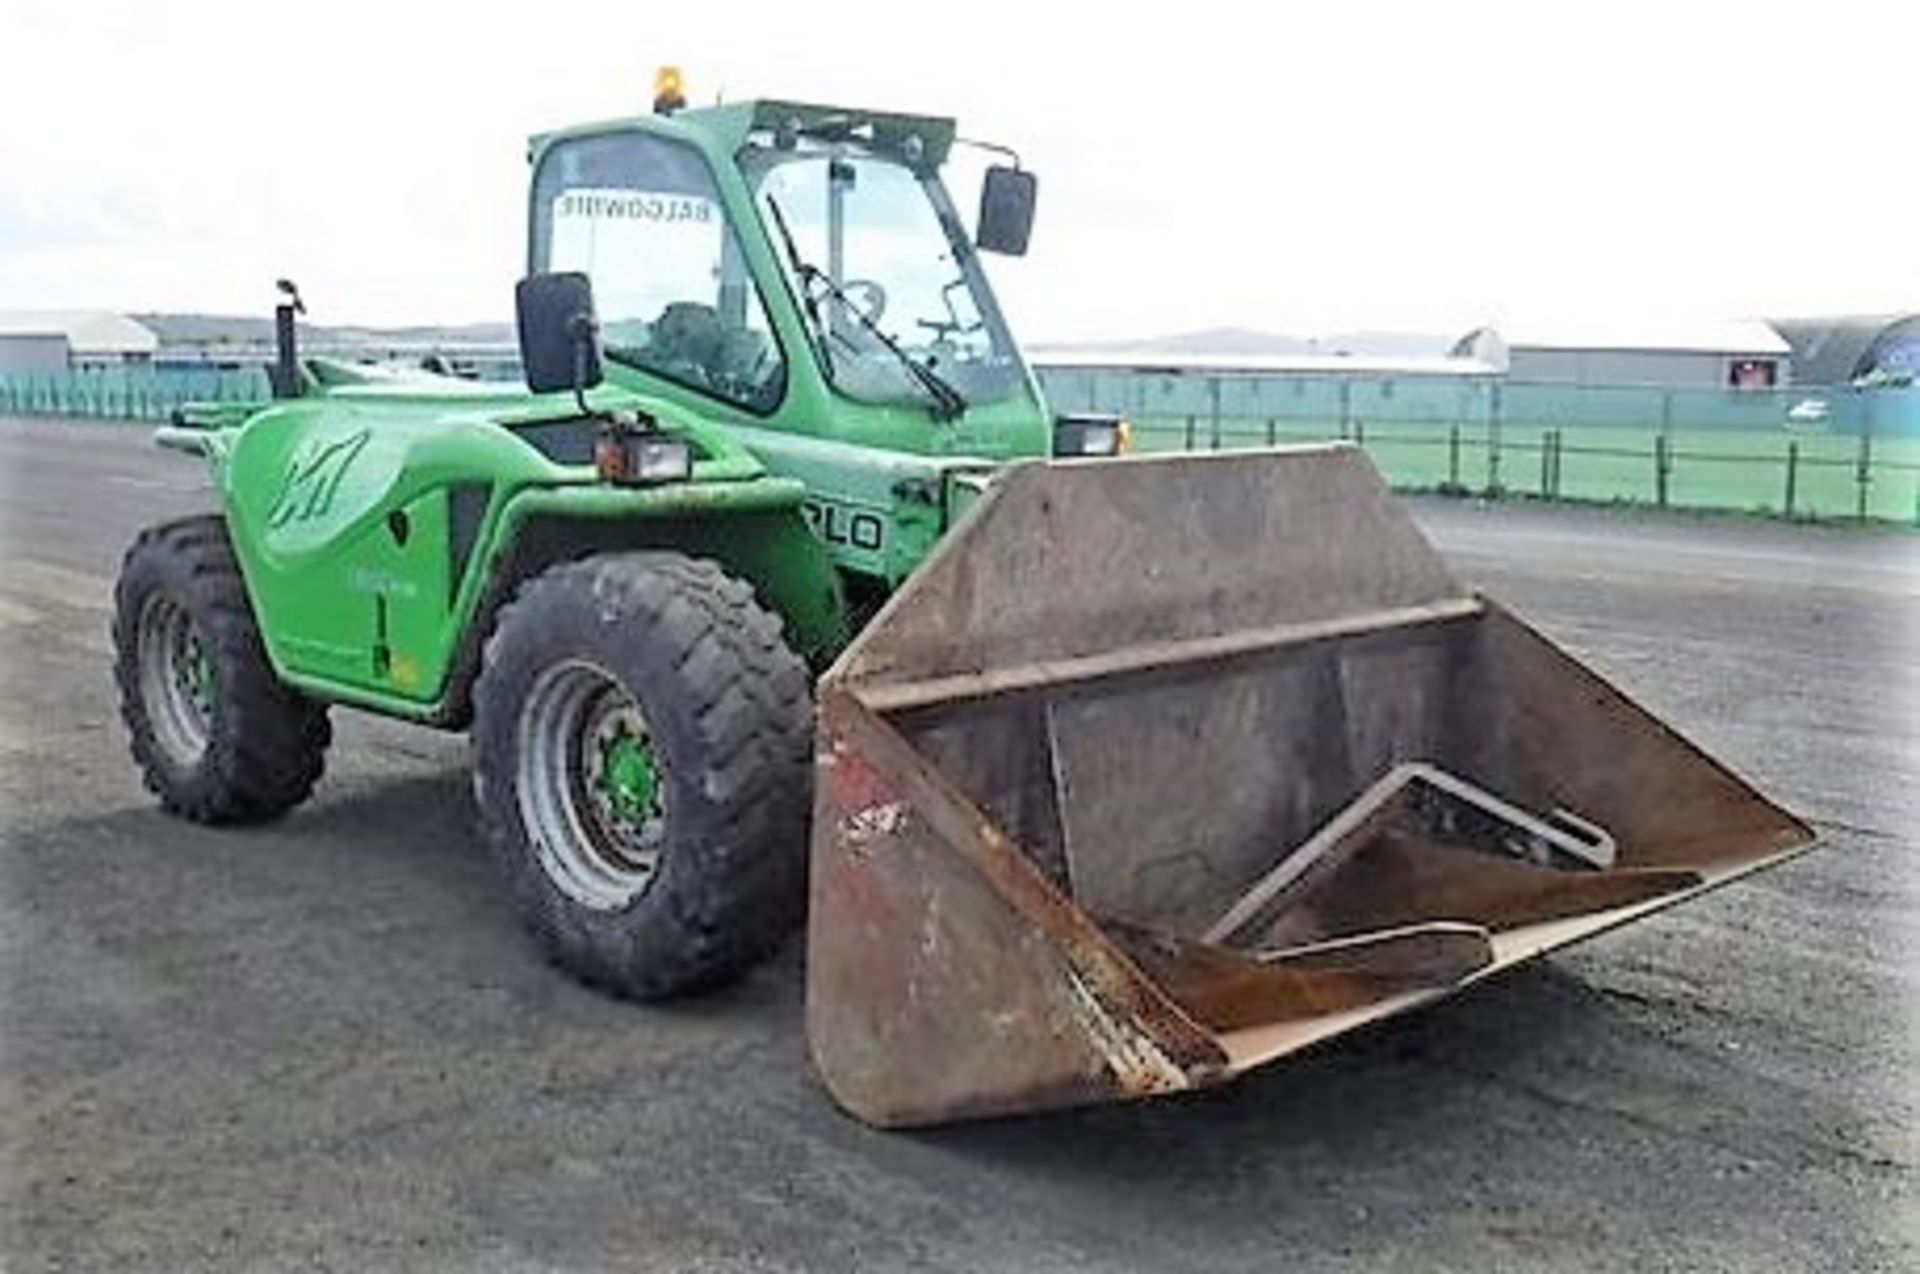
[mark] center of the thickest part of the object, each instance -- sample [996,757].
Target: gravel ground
[325,1044]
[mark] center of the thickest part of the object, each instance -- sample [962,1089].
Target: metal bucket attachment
[1161,769]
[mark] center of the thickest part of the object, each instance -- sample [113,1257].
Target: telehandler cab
[1126,775]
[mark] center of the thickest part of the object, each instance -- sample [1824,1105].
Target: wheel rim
[591,793]
[177,679]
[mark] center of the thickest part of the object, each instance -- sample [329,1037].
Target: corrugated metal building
[54,340]
[1725,355]
[1853,347]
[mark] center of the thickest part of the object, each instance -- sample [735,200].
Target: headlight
[1091,436]
[661,460]
[637,459]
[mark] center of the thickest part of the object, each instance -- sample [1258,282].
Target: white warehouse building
[55,340]
[1713,355]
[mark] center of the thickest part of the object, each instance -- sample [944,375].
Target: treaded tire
[726,704]
[265,743]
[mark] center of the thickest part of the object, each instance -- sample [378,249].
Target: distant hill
[256,332]
[1241,342]
[1212,340]
[177,330]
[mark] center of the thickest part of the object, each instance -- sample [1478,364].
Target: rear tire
[218,737]
[642,760]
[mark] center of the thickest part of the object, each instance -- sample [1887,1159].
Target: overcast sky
[1298,168]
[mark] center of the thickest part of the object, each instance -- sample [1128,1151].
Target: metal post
[1666,445]
[1863,471]
[1213,408]
[1660,465]
[1346,404]
[1494,418]
[1793,473]
[1190,424]
[1559,452]
[839,181]
[1272,437]
[1546,464]
[1453,457]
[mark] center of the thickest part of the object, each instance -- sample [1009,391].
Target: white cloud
[1281,166]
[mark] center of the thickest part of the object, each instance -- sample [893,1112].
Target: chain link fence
[1829,453]
[1805,452]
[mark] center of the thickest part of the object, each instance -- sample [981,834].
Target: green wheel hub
[193,672]
[592,794]
[178,679]
[628,781]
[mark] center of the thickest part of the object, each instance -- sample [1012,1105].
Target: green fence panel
[127,393]
[1804,451]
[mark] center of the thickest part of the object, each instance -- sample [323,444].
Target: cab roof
[728,125]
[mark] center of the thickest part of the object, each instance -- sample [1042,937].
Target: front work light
[629,458]
[1091,435]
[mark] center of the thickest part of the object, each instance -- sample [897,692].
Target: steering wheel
[866,296]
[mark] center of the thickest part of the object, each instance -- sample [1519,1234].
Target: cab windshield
[641,214]
[874,252]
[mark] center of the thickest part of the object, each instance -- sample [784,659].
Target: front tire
[218,737]
[642,751]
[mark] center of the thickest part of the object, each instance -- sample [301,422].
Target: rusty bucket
[1161,769]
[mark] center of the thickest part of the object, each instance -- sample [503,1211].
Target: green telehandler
[1121,775]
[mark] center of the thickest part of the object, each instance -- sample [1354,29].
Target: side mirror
[559,336]
[1006,210]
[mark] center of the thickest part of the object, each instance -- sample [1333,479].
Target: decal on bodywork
[846,525]
[313,479]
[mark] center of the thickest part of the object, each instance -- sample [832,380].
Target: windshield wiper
[948,404]
[800,269]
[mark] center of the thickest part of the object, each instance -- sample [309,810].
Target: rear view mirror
[1006,210]
[559,337]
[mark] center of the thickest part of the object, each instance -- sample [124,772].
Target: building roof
[87,332]
[1836,350]
[1652,333]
